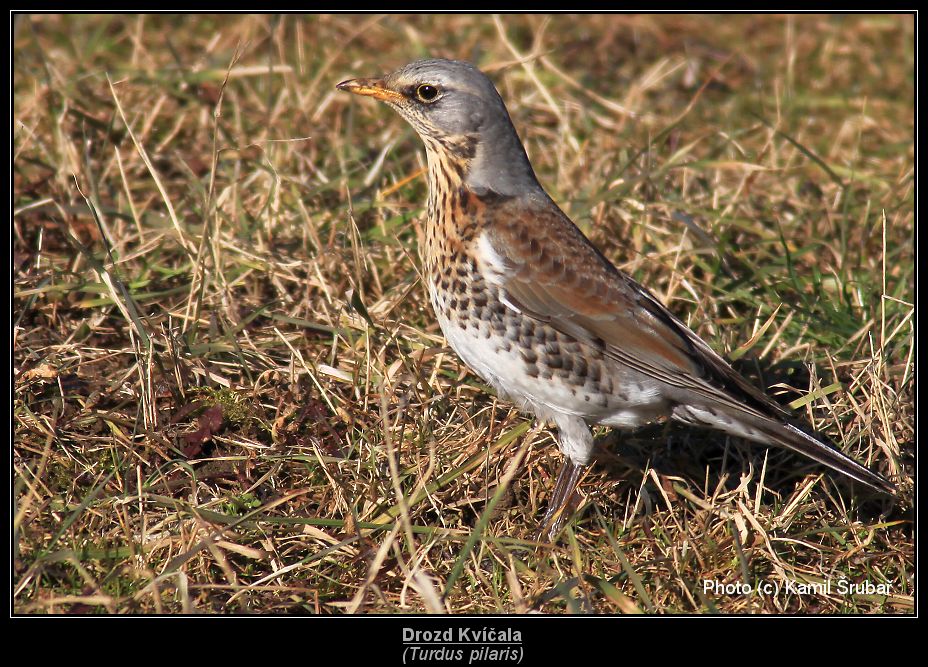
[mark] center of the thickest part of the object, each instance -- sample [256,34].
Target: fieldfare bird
[534,309]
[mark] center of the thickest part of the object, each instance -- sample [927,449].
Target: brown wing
[548,270]
[551,272]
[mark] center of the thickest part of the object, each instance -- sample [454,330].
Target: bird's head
[458,113]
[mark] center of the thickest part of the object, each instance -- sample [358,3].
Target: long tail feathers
[791,437]
[771,431]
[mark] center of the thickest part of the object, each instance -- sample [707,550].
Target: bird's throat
[456,213]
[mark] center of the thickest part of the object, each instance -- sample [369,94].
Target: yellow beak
[371,88]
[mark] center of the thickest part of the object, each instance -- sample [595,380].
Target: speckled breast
[531,363]
[527,361]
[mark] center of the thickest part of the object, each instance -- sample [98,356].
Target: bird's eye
[427,93]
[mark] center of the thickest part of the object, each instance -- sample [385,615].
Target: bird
[539,313]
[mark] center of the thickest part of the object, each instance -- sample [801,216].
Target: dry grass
[230,393]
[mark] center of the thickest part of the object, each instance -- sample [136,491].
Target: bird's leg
[559,505]
[576,443]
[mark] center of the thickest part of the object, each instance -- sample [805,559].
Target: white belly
[507,372]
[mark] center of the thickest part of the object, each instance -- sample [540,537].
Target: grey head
[458,113]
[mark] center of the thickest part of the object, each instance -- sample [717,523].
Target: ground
[230,394]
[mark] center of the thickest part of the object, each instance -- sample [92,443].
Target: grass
[230,393]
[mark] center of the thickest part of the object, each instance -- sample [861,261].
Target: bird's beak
[371,88]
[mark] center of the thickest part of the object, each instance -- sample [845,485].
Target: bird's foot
[559,507]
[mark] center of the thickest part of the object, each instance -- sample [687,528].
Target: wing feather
[548,270]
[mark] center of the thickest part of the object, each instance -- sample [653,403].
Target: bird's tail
[774,432]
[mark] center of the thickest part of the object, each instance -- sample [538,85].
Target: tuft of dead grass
[230,394]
